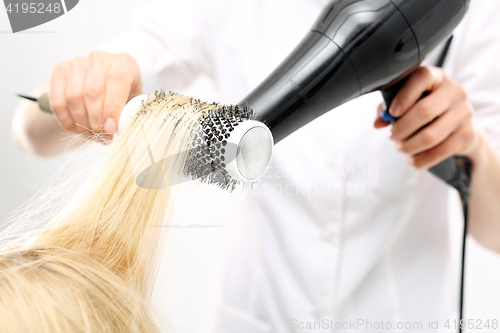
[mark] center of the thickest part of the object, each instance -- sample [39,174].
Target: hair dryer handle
[455,171]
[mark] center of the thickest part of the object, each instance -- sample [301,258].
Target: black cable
[464,192]
[462,277]
[462,184]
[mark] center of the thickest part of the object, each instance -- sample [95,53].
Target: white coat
[340,229]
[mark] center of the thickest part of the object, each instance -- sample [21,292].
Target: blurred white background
[195,255]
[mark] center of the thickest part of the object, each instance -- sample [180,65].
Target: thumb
[379,122]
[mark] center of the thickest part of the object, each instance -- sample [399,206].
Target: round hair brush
[231,146]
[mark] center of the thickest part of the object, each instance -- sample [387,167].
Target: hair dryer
[356,47]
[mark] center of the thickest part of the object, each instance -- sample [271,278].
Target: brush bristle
[205,160]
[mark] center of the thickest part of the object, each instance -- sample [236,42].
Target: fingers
[430,129]
[57,96]
[457,142]
[423,112]
[433,134]
[75,94]
[422,80]
[118,86]
[89,93]
[94,93]
[134,72]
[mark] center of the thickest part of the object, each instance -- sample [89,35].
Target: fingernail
[399,146]
[110,125]
[393,137]
[395,110]
[410,160]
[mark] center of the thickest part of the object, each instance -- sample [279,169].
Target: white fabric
[341,228]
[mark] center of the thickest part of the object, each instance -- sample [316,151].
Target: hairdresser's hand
[446,111]
[89,93]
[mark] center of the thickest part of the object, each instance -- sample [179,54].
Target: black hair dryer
[356,47]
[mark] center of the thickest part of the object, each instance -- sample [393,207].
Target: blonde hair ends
[93,270]
[59,290]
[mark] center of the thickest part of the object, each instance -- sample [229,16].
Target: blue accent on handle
[386,116]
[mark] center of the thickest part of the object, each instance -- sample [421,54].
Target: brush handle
[44,103]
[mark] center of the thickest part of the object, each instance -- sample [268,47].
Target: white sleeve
[477,64]
[166,42]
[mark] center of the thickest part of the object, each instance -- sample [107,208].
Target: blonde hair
[93,269]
